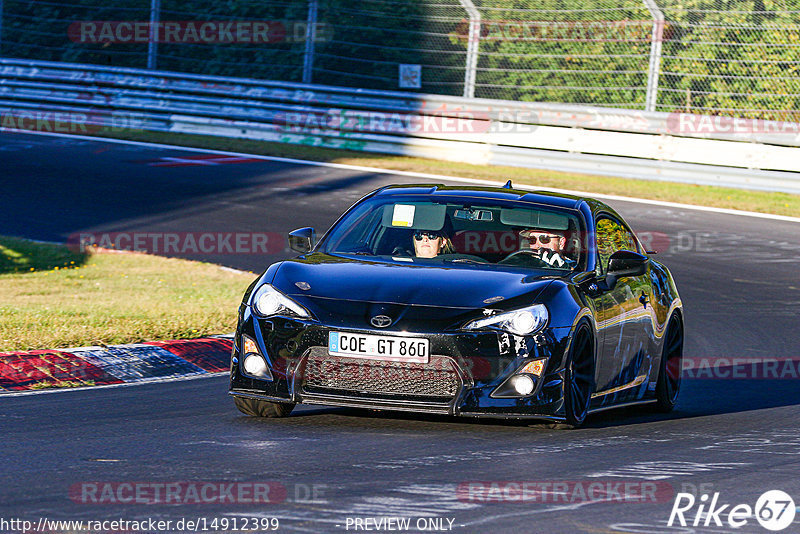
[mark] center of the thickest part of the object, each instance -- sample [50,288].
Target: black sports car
[473,301]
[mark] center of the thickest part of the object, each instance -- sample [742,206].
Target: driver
[547,245]
[429,244]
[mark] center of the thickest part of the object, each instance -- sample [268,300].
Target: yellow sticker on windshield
[403,215]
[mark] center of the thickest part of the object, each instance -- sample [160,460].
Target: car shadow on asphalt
[731,389]
[728,392]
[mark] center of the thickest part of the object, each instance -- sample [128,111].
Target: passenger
[548,245]
[430,244]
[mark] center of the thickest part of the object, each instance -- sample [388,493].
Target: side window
[611,237]
[358,235]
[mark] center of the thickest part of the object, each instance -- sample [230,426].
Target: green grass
[701,195]
[110,298]
[20,255]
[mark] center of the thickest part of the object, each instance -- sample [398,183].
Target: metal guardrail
[661,146]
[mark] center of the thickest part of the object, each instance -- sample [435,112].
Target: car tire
[669,368]
[262,408]
[578,379]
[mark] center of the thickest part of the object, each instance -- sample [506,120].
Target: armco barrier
[660,146]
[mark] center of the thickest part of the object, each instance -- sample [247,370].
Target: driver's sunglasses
[543,239]
[430,235]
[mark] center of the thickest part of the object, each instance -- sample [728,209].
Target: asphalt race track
[732,433]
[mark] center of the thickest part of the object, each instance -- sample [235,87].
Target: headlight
[269,301]
[522,322]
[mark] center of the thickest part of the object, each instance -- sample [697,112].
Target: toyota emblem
[380,321]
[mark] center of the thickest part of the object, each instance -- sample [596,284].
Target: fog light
[254,365]
[523,384]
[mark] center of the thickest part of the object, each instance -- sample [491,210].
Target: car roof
[551,198]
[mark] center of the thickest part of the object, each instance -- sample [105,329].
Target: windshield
[460,231]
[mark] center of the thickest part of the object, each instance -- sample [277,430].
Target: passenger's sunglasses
[430,235]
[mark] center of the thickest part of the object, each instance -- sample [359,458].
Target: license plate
[398,349]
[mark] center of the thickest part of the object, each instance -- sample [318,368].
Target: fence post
[311,37]
[152,42]
[656,38]
[472,47]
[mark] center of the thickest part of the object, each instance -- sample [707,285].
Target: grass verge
[110,298]
[701,195]
[21,255]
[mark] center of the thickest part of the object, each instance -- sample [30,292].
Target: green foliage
[742,64]
[730,57]
[561,52]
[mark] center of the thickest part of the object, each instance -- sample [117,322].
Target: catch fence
[716,57]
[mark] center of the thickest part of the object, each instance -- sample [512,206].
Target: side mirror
[302,240]
[626,263]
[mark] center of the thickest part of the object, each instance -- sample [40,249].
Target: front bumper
[465,368]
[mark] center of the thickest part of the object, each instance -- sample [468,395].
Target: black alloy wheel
[579,378]
[669,372]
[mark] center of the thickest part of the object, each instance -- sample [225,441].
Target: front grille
[335,374]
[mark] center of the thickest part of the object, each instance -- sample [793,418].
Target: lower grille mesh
[437,378]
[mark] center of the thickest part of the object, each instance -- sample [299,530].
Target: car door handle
[643,299]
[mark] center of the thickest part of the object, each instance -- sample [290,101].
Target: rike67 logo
[774,510]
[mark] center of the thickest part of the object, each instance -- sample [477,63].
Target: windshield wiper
[466,260]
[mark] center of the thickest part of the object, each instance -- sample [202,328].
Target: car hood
[341,286]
